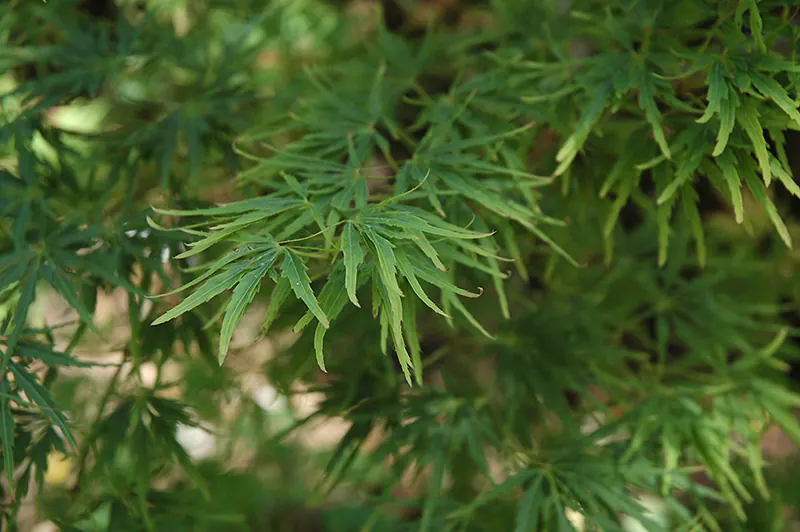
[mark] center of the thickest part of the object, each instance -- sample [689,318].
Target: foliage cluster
[476,226]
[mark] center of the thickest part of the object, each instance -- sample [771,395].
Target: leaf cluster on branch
[535,255]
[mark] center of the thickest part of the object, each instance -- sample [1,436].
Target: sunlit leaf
[294,270]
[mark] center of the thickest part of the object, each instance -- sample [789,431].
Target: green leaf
[353,257]
[689,202]
[236,254]
[759,191]
[242,296]
[26,298]
[727,165]
[220,234]
[512,247]
[319,337]
[391,295]
[276,300]
[748,120]
[455,302]
[267,203]
[775,392]
[722,100]
[663,215]
[438,463]
[333,297]
[56,279]
[294,269]
[727,118]
[647,103]
[436,278]
[550,242]
[406,220]
[783,176]
[209,290]
[7,426]
[773,90]
[527,511]
[717,91]
[687,166]
[756,22]
[41,397]
[591,114]
[785,420]
[422,242]
[410,323]
[384,256]
[756,463]
[623,193]
[470,262]
[407,270]
[51,357]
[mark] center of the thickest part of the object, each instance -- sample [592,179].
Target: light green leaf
[727,118]
[663,215]
[499,287]
[384,256]
[748,120]
[390,296]
[319,338]
[784,419]
[783,176]
[759,191]
[687,167]
[294,270]
[458,305]
[647,103]
[689,202]
[776,392]
[209,290]
[512,246]
[333,297]
[772,89]
[242,296]
[756,22]
[242,251]
[221,233]
[423,270]
[422,242]
[298,223]
[623,193]
[550,242]
[410,323]
[407,270]
[353,257]
[622,167]
[462,258]
[727,165]
[276,300]
[411,222]
[591,114]
[717,91]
